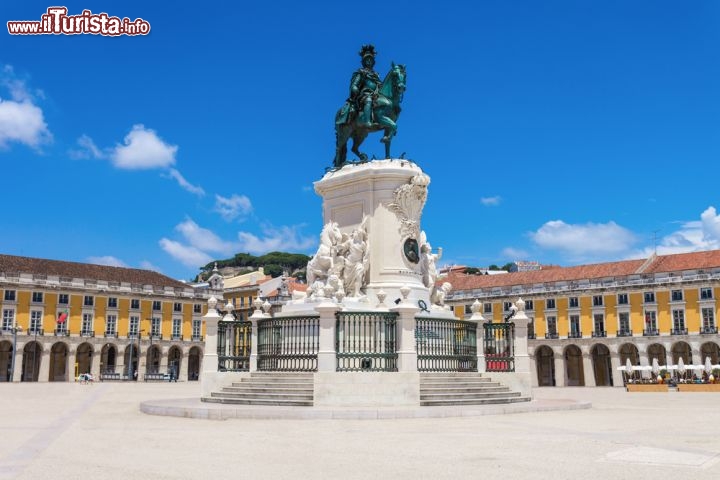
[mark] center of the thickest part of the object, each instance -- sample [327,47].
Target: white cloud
[491,201]
[233,207]
[107,260]
[285,239]
[196,190]
[143,149]
[146,265]
[512,253]
[187,255]
[204,239]
[693,236]
[584,241]
[87,149]
[21,120]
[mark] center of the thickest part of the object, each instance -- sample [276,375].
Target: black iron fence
[288,344]
[366,341]
[499,347]
[233,346]
[446,345]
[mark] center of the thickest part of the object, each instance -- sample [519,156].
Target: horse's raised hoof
[385,139]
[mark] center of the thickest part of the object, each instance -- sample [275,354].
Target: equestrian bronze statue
[372,106]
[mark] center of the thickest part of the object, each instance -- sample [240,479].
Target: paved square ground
[69,431]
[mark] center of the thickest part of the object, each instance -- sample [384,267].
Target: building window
[622,298]
[111,325]
[196,324]
[575,326]
[8,319]
[157,305]
[649,297]
[552,325]
[112,302]
[155,327]
[197,308]
[507,306]
[37,297]
[242,302]
[487,307]
[89,301]
[134,325]
[708,319]
[676,295]
[35,321]
[468,309]
[177,327]
[550,304]
[529,305]
[574,302]
[135,304]
[599,324]
[679,322]
[597,300]
[624,323]
[9,295]
[63,299]
[706,294]
[651,322]
[87,324]
[177,307]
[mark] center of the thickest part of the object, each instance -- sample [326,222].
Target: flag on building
[62,317]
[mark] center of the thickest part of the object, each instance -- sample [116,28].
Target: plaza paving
[67,430]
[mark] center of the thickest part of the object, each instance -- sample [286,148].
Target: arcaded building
[588,320]
[61,319]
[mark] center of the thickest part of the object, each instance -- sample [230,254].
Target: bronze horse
[386,110]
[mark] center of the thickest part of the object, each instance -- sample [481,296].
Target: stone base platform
[194,408]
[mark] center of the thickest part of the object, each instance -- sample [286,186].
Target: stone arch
[174,361]
[108,358]
[629,351]
[194,363]
[59,362]
[83,357]
[131,362]
[545,366]
[574,366]
[681,350]
[710,349]
[153,359]
[6,354]
[657,351]
[602,367]
[32,357]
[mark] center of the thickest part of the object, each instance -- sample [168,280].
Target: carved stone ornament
[408,202]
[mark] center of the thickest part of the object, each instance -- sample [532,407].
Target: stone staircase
[268,388]
[457,389]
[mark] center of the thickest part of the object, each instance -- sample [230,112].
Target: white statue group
[340,266]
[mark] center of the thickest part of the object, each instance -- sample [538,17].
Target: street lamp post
[15,329]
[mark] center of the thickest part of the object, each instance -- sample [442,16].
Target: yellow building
[589,320]
[60,319]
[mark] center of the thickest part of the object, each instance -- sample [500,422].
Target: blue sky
[561,131]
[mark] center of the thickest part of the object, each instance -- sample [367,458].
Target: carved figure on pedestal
[428,262]
[439,294]
[356,263]
[319,267]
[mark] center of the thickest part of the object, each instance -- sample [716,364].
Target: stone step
[463,382]
[276,380]
[475,401]
[273,384]
[269,389]
[267,396]
[276,403]
[282,374]
[454,379]
[461,396]
[495,389]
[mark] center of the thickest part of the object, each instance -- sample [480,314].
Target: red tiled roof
[41,266]
[662,263]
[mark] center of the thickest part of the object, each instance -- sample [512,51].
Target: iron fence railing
[366,341]
[446,345]
[499,347]
[233,346]
[288,344]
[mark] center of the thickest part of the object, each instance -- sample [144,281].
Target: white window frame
[196,327]
[601,317]
[704,318]
[620,322]
[549,302]
[707,289]
[133,325]
[678,319]
[650,318]
[60,299]
[8,318]
[574,320]
[576,301]
[111,324]
[37,297]
[10,296]
[177,327]
[87,323]
[133,302]
[551,324]
[36,321]
[156,326]
[110,301]
[623,296]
